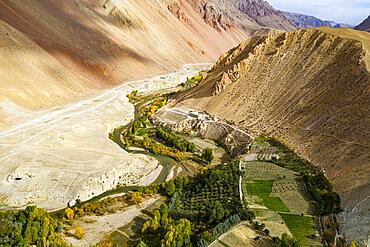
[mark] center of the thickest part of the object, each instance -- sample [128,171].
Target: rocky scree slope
[309,88]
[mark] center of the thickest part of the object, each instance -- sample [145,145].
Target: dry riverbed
[65,153]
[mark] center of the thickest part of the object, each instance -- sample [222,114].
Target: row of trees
[209,236]
[285,241]
[174,141]
[320,189]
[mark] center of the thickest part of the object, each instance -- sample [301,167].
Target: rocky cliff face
[365,25]
[309,88]
[244,15]
[306,21]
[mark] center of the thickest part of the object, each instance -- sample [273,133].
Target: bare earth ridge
[309,88]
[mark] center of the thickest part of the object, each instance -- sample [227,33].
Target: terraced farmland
[277,197]
[302,228]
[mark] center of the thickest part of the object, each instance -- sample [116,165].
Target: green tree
[155,224]
[170,188]
[169,237]
[217,212]
[146,226]
[207,155]
[285,241]
[164,214]
[142,244]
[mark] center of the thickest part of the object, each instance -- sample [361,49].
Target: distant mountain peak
[307,21]
[365,25]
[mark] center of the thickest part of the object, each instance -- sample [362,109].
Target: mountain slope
[245,15]
[311,89]
[365,25]
[54,52]
[307,21]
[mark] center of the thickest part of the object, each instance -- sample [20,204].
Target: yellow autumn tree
[136,198]
[79,232]
[352,244]
[69,213]
[169,237]
[80,213]
[146,226]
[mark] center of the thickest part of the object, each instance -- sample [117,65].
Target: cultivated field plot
[241,236]
[261,150]
[220,155]
[278,199]
[302,227]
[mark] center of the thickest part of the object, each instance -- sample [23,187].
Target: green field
[302,227]
[275,204]
[263,189]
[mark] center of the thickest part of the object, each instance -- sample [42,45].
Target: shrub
[69,213]
[207,155]
[79,232]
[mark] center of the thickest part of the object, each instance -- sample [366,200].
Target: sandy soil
[65,153]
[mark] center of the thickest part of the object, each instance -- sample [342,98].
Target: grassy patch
[302,227]
[275,204]
[262,189]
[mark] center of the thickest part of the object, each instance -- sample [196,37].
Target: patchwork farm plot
[240,236]
[277,197]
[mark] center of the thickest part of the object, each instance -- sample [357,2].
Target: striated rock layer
[311,89]
[244,15]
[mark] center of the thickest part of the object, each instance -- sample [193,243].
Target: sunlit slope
[309,88]
[55,51]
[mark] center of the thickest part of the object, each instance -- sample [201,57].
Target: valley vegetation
[31,226]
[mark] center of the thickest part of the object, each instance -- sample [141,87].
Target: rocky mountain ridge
[284,86]
[245,15]
[365,25]
[307,21]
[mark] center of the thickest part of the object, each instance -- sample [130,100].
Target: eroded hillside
[230,15]
[53,52]
[309,88]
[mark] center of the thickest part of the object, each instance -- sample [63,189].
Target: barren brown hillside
[309,88]
[54,51]
[245,15]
